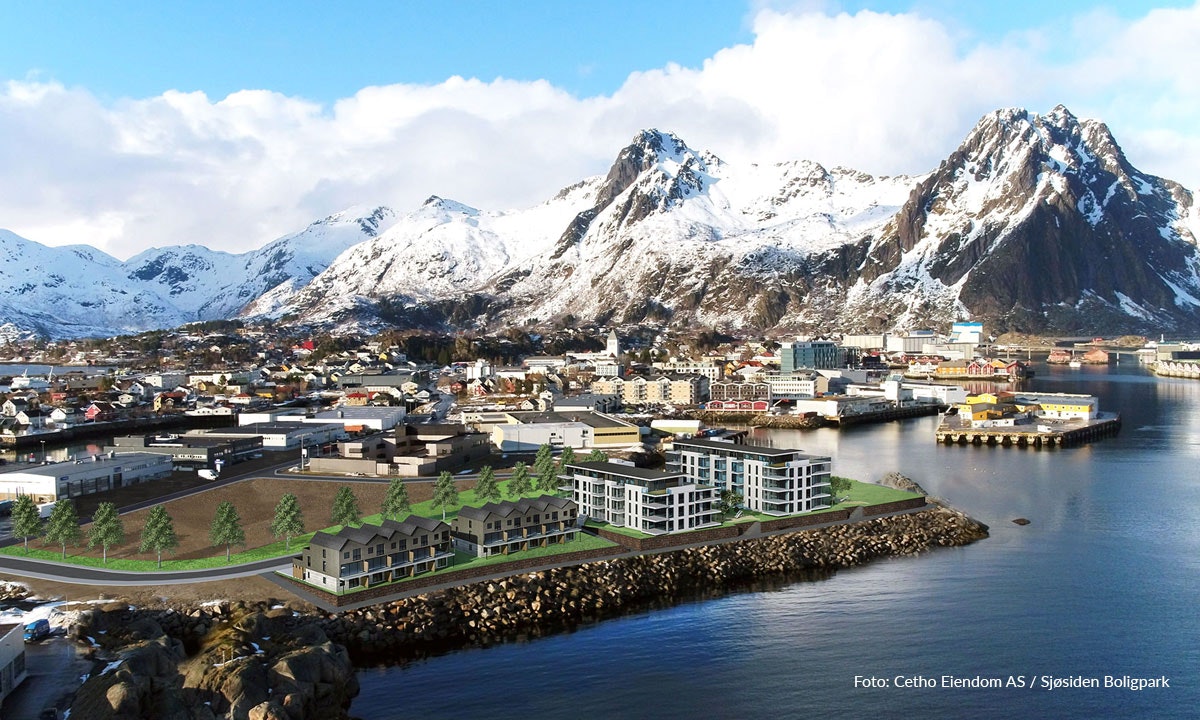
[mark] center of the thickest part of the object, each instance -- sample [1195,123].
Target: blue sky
[130,124]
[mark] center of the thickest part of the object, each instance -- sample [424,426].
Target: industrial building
[83,476]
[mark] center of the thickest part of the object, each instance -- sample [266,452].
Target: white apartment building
[774,481]
[650,501]
[710,370]
[794,387]
[677,390]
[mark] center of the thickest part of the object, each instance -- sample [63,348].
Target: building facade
[359,557]
[12,658]
[511,526]
[823,354]
[770,480]
[650,501]
[55,481]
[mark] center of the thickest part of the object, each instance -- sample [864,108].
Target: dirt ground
[255,501]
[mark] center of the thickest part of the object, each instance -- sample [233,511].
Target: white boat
[1074,364]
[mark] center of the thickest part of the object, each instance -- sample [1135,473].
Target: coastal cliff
[262,662]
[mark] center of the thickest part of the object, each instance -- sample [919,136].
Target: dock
[1060,434]
[892,413]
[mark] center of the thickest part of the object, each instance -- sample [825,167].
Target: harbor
[1044,434]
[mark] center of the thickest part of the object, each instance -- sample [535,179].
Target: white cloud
[877,92]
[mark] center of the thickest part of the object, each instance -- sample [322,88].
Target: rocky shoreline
[271,662]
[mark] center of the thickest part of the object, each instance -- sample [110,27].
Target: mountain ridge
[1034,223]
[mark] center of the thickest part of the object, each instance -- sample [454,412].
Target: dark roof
[583,416]
[626,470]
[364,534]
[719,445]
[508,507]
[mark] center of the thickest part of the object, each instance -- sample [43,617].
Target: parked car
[37,630]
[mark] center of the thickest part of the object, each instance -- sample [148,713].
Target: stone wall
[803,520]
[896,506]
[658,542]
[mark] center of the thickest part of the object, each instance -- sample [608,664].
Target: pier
[949,432]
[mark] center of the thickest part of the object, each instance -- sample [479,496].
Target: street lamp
[43,442]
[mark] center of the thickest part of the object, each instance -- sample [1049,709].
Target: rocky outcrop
[223,661]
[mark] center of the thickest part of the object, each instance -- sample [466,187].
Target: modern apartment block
[650,501]
[510,526]
[819,354]
[770,480]
[12,658]
[372,554]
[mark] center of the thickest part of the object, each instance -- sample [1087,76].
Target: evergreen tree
[226,529]
[519,484]
[107,529]
[596,456]
[444,492]
[396,500]
[345,508]
[63,525]
[567,458]
[26,522]
[159,533]
[487,489]
[288,520]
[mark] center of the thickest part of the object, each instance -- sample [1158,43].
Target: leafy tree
[158,533]
[519,484]
[26,522]
[729,502]
[487,489]
[596,456]
[345,507]
[444,492]
[838,486]
[396,500]
[107,529]
[288,520]
[63,525]
[226,529]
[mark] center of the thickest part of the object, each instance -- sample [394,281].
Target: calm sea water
[1105,581]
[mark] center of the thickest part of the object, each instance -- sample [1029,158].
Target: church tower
[614,345]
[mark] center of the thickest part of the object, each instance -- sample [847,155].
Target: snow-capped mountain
[79,291]
[1036,222]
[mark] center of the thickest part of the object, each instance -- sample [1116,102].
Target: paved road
[81,575]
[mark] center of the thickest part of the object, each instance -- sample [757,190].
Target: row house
[505,527]
[360,557]
[738,406]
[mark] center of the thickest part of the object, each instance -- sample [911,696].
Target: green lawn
[860,494]
[276,549]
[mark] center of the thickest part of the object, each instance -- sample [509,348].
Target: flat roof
[587,418]
[270,428]
[360,411]
[756,449]
[101,461]
[626,470]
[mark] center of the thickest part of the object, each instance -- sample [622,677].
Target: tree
[596,456]
[838,486]
[63,525]
[487,488]
[396,500]
[227,529]
[345,507]
[567,458]
[107,529]
[444,492]
[26,522]
[544,471]
[288,520]
[158,533]
[729,502]
[519,484]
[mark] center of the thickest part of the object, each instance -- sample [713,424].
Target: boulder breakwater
[264,661]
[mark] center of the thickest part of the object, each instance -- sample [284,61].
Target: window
[356,554]
[346,556]
[393,546]
[379,549]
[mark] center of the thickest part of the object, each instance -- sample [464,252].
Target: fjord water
[1104,581]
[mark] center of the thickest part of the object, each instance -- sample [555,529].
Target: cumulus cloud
[882,93]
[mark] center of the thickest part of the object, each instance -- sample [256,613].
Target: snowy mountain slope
[1038,222]
[79,291]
